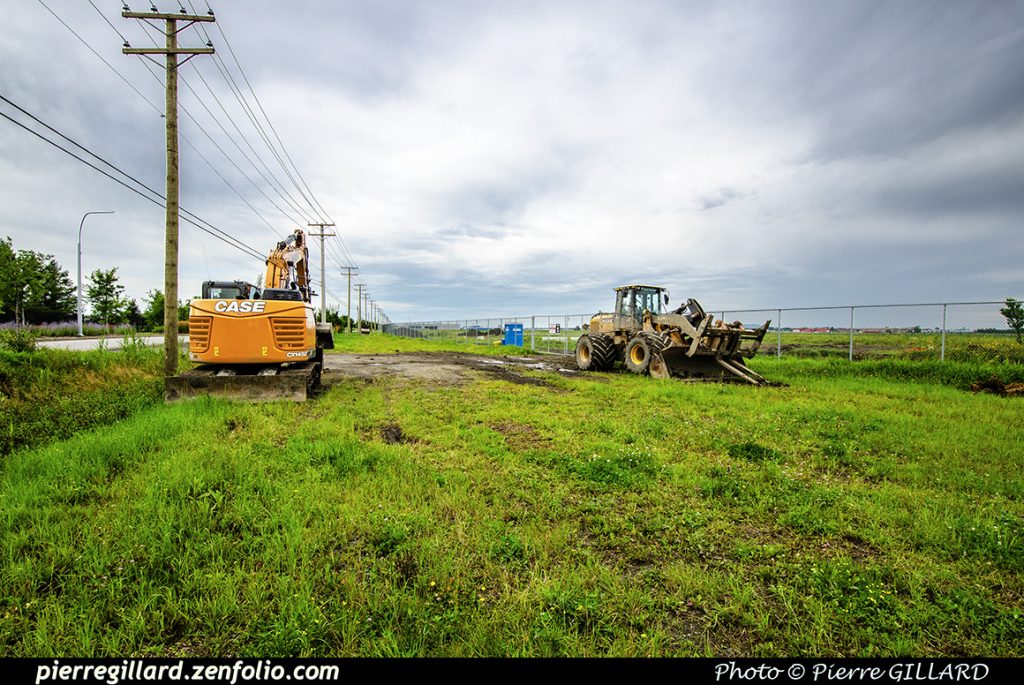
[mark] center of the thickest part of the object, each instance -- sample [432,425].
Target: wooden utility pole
[348,271]
[359,306]
[171,52]
[323,275]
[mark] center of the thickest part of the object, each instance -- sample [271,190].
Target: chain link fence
[548,334]
[960,331]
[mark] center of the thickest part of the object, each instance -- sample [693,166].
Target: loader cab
[632,300]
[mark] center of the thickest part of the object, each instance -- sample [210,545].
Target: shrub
[1014,314]
[18,340]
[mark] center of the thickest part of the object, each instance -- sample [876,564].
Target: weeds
[751,451]
[627,467]
[67,329]
[17,340]
[356,343]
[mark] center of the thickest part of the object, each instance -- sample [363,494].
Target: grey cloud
[997,190]
[472,231]
[722,196]
[876,78]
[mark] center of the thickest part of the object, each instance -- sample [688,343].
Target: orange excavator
[256,345]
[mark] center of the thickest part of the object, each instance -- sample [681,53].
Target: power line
[119,181]
[318,207]
[203,157]
[339,253]
[279,187]
[116,168]
[109,23]
[228,157]
[195,121]
[187,113]
[248,112]
[215,232]
[235,190]
[109,65]
[345,253]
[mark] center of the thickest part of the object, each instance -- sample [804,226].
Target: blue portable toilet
[513,334]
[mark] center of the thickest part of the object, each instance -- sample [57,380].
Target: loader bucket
[293,384]
[716,353]
[674,362]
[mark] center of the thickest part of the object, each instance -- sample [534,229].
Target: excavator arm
[288,266]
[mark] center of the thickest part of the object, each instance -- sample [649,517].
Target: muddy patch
[443,368]
[393,435]
[995,386]
[504,370]
[521,437]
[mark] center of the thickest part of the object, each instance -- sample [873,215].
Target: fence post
[565,332]
[851,333]
[533,325]
[778,345]
[942,353]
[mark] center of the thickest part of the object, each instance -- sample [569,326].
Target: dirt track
[443,368]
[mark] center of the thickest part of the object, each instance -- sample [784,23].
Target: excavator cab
[230,290]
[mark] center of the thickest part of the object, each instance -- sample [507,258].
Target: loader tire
[602,351]
[594,352]
[641,349]
[584,354]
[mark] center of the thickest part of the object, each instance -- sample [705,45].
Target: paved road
[112,342]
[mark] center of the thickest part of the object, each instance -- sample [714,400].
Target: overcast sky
[500,158]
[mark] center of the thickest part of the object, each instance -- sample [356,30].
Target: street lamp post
[80,225]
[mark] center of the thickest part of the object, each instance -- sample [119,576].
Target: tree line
[35,289]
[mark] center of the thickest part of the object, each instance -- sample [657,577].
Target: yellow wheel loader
[252,344]
[685,343]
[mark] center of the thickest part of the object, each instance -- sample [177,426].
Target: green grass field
[864,510]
